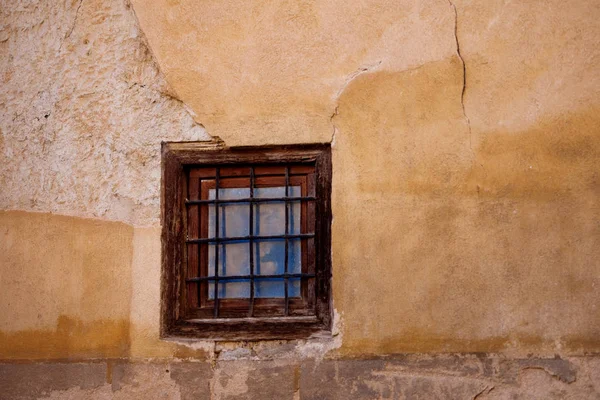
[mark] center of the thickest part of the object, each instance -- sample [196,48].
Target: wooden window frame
[177,159]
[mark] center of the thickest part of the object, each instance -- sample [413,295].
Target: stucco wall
[466,145]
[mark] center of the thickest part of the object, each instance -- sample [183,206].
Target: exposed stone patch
[193,379]
[28,381]
[83,109]
[397,377]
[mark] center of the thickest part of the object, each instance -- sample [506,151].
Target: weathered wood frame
[176,157]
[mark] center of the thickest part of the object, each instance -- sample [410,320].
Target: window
[246,242]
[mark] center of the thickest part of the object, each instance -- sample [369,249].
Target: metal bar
[250,244]
[223,249]
[199,287]
[248,277]
[285,262]
[278,174]
[250,237]
[257,229]
[216,295]
[250,200]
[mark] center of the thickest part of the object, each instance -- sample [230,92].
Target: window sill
[248,329]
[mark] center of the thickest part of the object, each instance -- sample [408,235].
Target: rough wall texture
[83,111]
[409,377]
[466,144]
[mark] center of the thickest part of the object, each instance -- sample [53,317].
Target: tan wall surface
[64,293]
[466,145]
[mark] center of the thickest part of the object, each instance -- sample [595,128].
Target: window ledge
[249,329]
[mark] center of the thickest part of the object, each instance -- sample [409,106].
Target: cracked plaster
[494,256]
[282,87]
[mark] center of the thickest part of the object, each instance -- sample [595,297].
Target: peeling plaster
[359,71]
[313,348]
[349,79]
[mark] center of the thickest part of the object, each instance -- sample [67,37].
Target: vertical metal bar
[251,243]
[217,177]
[199,245]
[223,253]
[257,265]
[287,214]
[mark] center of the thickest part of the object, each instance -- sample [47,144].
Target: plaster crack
[335,112]
[74,23]
[464,68]
[486,390]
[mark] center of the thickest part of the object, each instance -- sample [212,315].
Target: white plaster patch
[83,111]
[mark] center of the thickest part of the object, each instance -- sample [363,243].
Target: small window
[246,242]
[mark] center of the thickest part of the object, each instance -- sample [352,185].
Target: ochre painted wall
[65,287]
[466,161]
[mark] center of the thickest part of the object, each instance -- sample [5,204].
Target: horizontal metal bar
[250,237]
[248,277]
[263,320]
[250,200]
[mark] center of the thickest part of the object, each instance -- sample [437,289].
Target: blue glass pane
[233,260]
[269,218]
[233,217]
[233,257]
[269,255]
[294,287]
